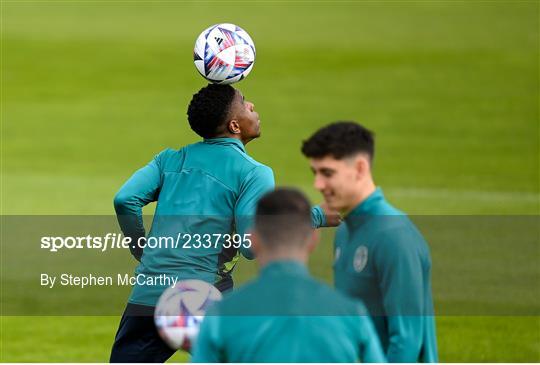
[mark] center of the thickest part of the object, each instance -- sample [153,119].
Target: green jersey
[287,316]
[206,196]
[382,259]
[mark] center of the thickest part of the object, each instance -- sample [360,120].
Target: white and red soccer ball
[224,53]
[180,311]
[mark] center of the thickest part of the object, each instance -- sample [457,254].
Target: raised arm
[258,182]
[139,190]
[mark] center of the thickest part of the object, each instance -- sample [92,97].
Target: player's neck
[365,190]
[285,255]
[235,136]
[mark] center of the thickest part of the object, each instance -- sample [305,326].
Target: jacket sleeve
[400,278]
[318,218]
[258,182]
[139,190]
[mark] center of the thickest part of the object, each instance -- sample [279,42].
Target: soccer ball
[224,53]
[180,311]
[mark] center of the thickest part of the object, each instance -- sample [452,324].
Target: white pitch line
[515,196]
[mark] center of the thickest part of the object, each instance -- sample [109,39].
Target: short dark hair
[283,218]
[340,140]
[209,108]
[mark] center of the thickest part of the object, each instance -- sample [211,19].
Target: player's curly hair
[340,140]
[209,108]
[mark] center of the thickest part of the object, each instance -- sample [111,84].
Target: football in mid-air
[180,311]
[224,53]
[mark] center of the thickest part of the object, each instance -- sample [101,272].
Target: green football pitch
[92,90]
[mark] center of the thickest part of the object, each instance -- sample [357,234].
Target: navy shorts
[137,339]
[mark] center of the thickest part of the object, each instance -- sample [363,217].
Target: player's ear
[313,240]
[362,166]
[255,243]
[233,126]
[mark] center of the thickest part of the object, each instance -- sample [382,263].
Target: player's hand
[333,218]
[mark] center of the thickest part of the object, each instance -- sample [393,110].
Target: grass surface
[92,90]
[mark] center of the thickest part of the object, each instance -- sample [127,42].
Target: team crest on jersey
[360,258]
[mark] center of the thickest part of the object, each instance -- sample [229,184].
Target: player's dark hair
[209,108]
[340,140]
[283,218]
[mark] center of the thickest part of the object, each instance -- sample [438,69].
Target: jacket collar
[285,267]
[226,141]
[366,207]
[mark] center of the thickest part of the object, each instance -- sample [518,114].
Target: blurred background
[92,90]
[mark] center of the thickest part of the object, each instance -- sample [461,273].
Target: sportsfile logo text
[117,240]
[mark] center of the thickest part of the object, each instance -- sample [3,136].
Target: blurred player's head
[283,227]
[341,155]
[221,111]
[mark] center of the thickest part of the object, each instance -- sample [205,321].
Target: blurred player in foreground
[205,192]
[285,315]
[380,256]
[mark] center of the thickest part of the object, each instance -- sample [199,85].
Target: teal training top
[287,316]
[381,258]
[204,192]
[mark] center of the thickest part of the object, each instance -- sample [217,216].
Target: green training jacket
[206,196]
[287,316]
[382,259]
